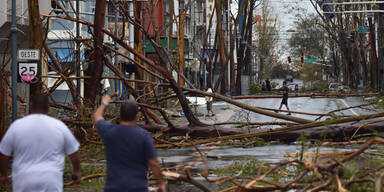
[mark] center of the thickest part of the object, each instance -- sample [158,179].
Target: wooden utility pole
[170,26]
[181,42]
[221,46]
[2,103]
[138,37]
[95,69]
[35,38]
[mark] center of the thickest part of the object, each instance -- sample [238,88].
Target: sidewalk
[223,112]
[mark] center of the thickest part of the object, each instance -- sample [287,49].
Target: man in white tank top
[38,144]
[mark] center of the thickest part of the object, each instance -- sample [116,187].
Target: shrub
[254,89]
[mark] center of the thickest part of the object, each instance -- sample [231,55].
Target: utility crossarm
[322,64]
[362,11]
[355,3]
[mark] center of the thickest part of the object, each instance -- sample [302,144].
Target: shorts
[284,101]
[209,105]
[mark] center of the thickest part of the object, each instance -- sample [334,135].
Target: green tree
[309,38]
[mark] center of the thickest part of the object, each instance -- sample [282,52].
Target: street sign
[28,54]
[27,72]
[309,60]
[362,29]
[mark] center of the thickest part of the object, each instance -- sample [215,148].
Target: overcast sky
[286,19]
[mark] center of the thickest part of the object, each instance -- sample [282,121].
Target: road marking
[346,104]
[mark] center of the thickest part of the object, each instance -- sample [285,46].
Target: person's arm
[156,169]
[75,159]
[98,114]
[4,179]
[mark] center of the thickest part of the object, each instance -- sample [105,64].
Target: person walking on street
[285,90]
[209,101]
[129,150]
[38,144]
[268,85]
[263,88]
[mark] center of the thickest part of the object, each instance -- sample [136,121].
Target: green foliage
[257,142]
[274,85]
[378,103]
[246,167]
[309,37]
[225,108]
[96,184]
[255,88]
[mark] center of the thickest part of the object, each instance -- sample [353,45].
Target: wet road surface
[224,156]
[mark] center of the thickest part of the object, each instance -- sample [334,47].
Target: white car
[338,87]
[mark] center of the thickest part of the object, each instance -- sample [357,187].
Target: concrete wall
[21,10]
[3,12]
[245,85]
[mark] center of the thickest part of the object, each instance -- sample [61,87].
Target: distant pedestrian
[129,150]
[297,88]
[263,88]
[285,90]
[209,101]
[38,144]
[268,85]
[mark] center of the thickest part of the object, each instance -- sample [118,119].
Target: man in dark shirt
[284,89]
[129,150]
[268,85]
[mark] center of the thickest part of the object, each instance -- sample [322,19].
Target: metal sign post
[14,61]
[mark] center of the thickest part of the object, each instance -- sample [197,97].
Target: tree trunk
[365,68]
[374,69]
[232,66]
[93,86]
[240,54]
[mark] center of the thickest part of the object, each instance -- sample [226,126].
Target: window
[56,8]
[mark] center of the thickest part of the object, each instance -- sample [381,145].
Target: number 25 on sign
[27,72]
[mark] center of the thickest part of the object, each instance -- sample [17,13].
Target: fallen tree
[316,130]
[309,174]
[312,95]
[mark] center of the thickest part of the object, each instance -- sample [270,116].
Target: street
[226,112]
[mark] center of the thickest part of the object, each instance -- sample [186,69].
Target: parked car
[291,87]
[344,89]
[333,87]
[338,87]
[289,78]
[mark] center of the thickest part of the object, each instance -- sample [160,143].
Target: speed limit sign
[27,72]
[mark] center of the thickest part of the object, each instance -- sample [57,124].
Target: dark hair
[128,111]
[284,82]
[40,103]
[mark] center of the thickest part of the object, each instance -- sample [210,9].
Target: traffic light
[289,59]
[302,59]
